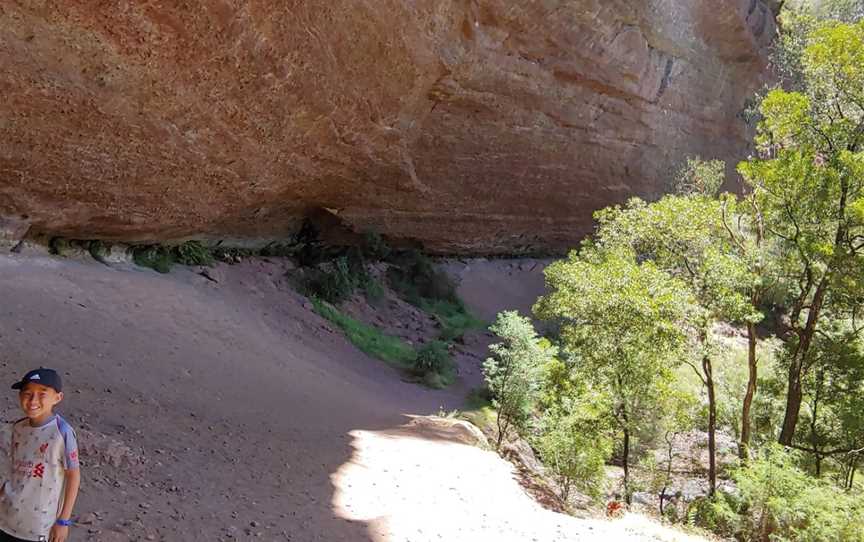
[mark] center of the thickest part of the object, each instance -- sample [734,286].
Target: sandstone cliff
[470,125]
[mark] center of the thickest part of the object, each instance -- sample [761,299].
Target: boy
[36,501]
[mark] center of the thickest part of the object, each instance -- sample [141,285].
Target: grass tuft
[454,317]
[369,339]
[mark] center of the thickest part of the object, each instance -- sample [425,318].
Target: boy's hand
[59,533]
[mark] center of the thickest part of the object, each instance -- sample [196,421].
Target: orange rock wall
[470,125]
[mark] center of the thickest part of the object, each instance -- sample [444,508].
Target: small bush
[433,358]
[574,444]
[98,249]
[454,317]
[231,255]
[59,246]
[776,501]
[375,248]
[333,283]
[193,253]
[514,372]
[156,257]
[414,278]
[161,258]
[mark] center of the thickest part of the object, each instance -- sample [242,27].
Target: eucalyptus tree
[808,182]
[621,324]
[684,236]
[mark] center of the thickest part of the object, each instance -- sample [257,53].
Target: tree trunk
[626,463]
[712,425]
[752,361]
[503,427]
[794,397]
[814,421]
[796,368]
[669,449]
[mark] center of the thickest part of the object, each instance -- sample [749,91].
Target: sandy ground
[222,408]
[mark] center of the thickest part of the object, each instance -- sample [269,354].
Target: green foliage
[157,257]
[98,249]
[684,236]
[333,282]
[701,177]
[621,324]
[513,371]
[453,316]
[277,249]
[369,339]
[59,246]
[193,253]
[414,277]
[776,501]
[434,364]
[232,255]
[574,443]
[375,248]
[162,257]
[808,183]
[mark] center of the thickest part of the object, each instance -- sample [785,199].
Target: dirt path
[227,410]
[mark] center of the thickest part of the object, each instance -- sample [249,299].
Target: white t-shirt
[33,493]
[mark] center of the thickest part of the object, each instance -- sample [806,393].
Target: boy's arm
[70,492]
[60,533]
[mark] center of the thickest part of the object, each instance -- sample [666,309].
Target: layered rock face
[470,125]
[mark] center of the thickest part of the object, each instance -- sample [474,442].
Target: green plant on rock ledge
[156,257]
[161,257]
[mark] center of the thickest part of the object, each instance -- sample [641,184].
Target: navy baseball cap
[46,377]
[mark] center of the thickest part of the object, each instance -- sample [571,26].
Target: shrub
[574,444]
[375,248]
[454,317]
[98,249]
[193,253]
[414,277]
[434,357]
[277,249]
[513,372]
[333,283]
[156,257]
[59,246]
[160,257]
[778,502]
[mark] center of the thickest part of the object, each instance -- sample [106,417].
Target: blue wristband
[64,522]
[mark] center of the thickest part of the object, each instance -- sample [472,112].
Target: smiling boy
[37,499]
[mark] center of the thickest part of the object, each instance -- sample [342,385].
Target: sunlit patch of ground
[417,483]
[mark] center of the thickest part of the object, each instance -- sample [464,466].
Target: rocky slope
[473,126]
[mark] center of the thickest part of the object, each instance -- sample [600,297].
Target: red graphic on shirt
[74,455]
[43,448]
[39,470]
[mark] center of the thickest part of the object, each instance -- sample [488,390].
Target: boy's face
[38,401]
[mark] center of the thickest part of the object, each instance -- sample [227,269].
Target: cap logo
[35,377]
